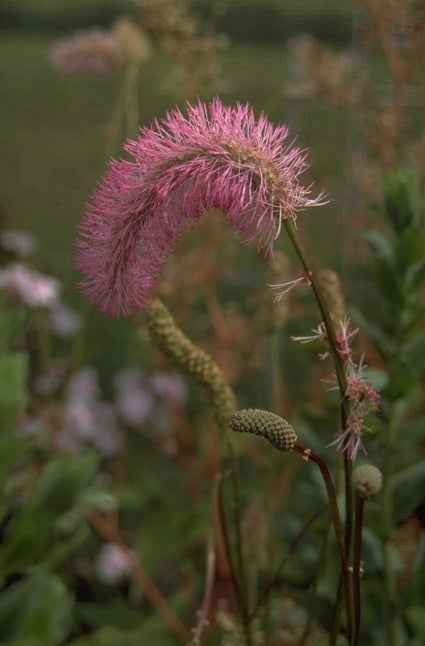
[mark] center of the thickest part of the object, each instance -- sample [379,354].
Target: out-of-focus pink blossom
[170,387]
[217,157]
[93,51]
[133,399]
[48,382]
[64,321]
[30,287]
[19,242]
[84,384]
[112,563]
[108,438]
[86,420]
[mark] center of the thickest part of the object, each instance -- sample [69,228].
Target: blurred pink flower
[84,384]
[19,242]
[93,51]
[133,399]
[217,157]
[32,288]
[112,563]
[64,321]
[170,387]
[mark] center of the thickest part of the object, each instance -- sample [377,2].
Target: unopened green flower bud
[367,481]
[168,337]
[269,425]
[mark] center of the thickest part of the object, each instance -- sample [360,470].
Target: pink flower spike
[216,157]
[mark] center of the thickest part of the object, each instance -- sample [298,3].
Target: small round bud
[367,481]
[269,425]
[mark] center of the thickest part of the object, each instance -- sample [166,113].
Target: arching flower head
[215,157]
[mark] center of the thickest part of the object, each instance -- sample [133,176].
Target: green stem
[327,320]
[243,588]
[339,532]
[336,618]
[225,535]
[342,384]
[393,613]
[297,540]
[358,528]
[321,564]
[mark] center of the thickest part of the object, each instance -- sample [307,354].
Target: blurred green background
[53,127]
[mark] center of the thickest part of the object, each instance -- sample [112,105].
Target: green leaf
[92,498]
[415,354]
[383,342]
[56,491]
[36,610]
[12,451]
[402,380]
[116,613]
[409,249]
[414,616]
[381,246]
[147,635]
[414,430]
[13,387]
[408,488]
[12,322]
[402,198]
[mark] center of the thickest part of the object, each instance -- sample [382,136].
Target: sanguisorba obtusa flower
[217,157]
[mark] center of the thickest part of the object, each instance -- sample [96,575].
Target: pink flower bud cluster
[363,398]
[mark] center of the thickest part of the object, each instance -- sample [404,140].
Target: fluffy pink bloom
[217,157]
